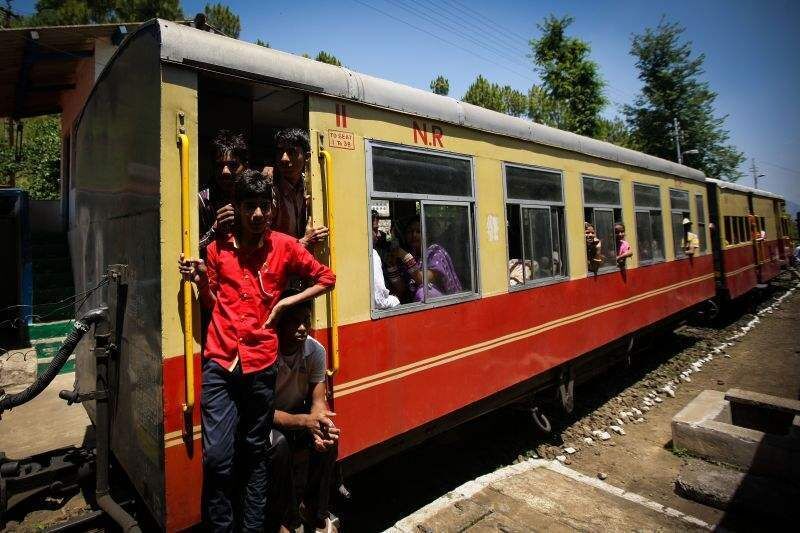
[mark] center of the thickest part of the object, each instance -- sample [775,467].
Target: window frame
[649,211]
[678,251]
[702,224]
[471,204]
[532,204]
[605,269]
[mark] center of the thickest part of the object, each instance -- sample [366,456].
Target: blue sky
[751,48]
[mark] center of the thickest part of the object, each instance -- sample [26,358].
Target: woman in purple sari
[405,271]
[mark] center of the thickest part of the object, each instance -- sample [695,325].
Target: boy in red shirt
[240,283]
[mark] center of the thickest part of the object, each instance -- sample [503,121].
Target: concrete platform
[43,424]
[539,495]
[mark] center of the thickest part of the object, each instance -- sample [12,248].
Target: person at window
[240,283]
[302,421]
[380,241]
[381,297]
[215,202]
[405,272]
[624,250]
[544,267]
[690,243]
[292,217]
[594,253]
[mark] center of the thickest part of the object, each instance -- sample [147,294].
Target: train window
[744,233]
[535,221]
[679,207]
[701,222]
[763,225]
[649,225]
[420,173]
[602,208]
[728,231]
[425,235]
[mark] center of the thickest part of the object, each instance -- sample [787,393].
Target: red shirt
[243,287]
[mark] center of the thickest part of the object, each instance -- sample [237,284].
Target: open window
[649,223]
[679,210]
[701,222]
[425,241]
[602,208]
[535,221]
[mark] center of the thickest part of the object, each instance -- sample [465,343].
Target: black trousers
[283,504]
[237,412]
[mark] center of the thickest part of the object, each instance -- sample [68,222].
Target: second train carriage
[750,237]
[495,191]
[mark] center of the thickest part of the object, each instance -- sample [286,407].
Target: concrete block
[704,427]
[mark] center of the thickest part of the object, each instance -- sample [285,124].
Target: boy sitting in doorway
[302,421]
[240,283]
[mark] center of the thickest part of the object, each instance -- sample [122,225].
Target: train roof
[203,50]
[743,188]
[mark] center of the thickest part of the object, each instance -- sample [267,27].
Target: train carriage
[506,198]
[750,242]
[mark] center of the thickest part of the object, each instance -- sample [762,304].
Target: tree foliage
[67,12]
[39,167]
[515,103]
[440,85]
[222,18]
[571,81]
[672,88]
[265,44]
[485,94]
[325,57]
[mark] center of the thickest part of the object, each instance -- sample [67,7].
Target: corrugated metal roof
[37,68]
[743,188]
[189,46]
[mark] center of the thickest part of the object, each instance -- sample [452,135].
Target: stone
[619,422]
[658,400]
[602,475]
[687,379]
[637,412]
[603,435]
[588,440]
[617,429]
[639,420]
[645,408]
[570,450]
[561,458]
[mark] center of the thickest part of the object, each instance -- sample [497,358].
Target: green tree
[485,94]
[515,103]
[222,18]
[544,110]
[325,57]
[440,85]
[67,12]
[616,132]
[672,89]
[39,167]
[569,78]
[259,42]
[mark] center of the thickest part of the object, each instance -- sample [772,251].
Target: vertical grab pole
[328,166]
[188,338]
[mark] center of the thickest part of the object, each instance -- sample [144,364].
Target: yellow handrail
[326,156]
[188,338]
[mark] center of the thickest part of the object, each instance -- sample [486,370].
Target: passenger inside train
[405,271]
[594,253]
[302,424]
[292,216]
[623,248]
[690,243]
[215,201]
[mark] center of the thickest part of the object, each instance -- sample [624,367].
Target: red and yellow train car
[750,240]
[505,199]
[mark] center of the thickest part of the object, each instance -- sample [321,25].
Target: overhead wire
[452,30]
[422,30]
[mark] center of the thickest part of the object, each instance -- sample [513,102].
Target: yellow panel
[346,141]
[765,207]
[178,94]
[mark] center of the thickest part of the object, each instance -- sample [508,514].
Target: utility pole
[754,171]
[677,129]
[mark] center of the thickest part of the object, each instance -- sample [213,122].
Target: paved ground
[537,495]
[43,424]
